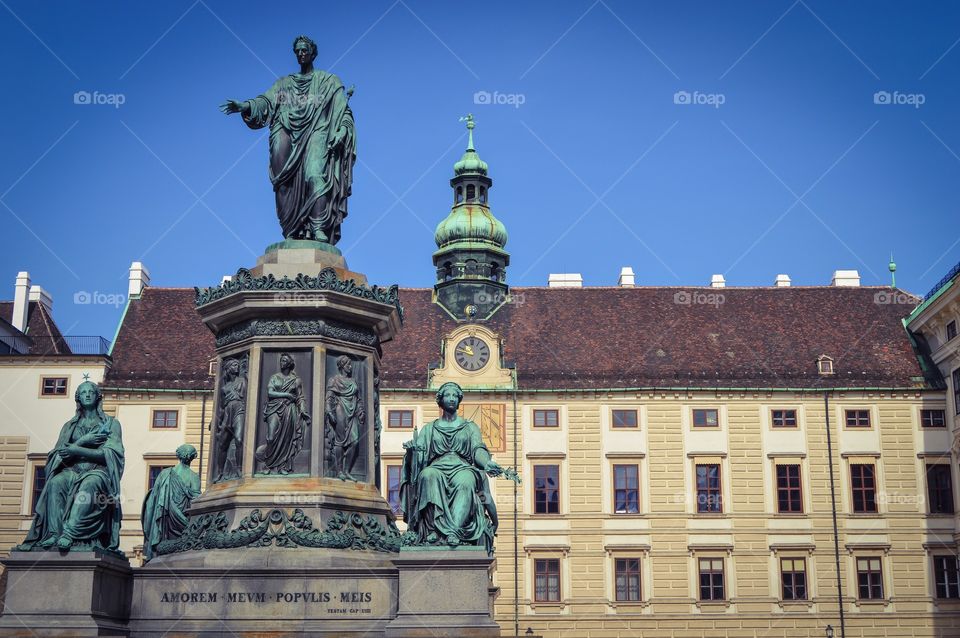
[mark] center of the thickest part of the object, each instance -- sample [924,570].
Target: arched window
[459,194]
[471,267]
[483,195]
[495,271]
[447,271]
[471,192]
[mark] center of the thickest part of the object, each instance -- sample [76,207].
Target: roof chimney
[845,278]
[565,280]
[717,281]
[139,279]
[782,281]
[626,279]
[226,279]
[21,293]
[39,294]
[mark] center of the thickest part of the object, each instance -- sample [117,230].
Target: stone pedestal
[444,592]
[72,594]
[272,591]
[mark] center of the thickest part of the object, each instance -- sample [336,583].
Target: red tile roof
[162,343]
[601,337]
[594,337]
[45,336]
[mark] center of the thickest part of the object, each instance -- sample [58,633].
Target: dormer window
[824,365]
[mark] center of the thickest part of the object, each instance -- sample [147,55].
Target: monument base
[444,592]
[265,591]
[73,594]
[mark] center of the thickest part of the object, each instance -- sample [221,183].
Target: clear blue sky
[685,190]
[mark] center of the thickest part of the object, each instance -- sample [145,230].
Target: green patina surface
[304,243]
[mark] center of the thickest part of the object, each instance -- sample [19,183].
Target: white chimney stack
[139,279]
[39,294]
[565,280]
[845,278]
[626,279]
[225,279]
[782,281]
[21,297]
[717,281]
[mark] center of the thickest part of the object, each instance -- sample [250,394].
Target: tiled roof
[162,343]
[600,337]
[45,336]
[595,337]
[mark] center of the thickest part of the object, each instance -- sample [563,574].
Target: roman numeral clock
[471,353]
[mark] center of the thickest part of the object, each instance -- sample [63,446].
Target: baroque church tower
[470,259]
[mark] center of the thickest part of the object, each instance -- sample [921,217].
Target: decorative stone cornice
[327,279]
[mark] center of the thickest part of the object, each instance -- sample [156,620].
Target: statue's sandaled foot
[453,541]
[64,542]
[50,542]
[284,472]
[432,537]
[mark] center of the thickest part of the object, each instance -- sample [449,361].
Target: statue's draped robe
[164,513]
[304,113]
[81,499]
[343,401]
[278,452]
[442,488]
[233,397]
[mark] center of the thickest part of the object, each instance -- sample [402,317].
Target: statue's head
[286,363]
[449,396]
[232,368]
[345,365]
[305,49]
[87,396]
[186,453]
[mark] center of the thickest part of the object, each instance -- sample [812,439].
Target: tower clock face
[472,353]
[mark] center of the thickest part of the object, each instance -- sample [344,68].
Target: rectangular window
[784,418]
[399,418]
[939,488]
[857,418]
[933,418]
[53,387]
[546,418]
[951,330]
[705,419]
[709,497]
[711,578]
[956,390]
[154,472]
[626,489]
[864,483]
[546,583]
[546,489]
[165,418]
[393,488]
[793,578]
[627,579]
[624,418]
[946,575]
[789,491]
[39,480]
[869,579]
